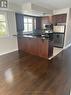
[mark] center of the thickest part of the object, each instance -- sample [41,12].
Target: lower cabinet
[50,48]
[35,46]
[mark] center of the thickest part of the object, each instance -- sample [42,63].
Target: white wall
[68,30]
[9,44]
[41,9]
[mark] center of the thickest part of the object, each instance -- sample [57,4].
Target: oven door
[58,40]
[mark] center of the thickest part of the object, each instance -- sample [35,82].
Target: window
[34,23]
[28,24]
[3,26]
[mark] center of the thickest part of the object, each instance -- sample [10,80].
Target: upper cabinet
[20,22]
[46,20]
[61,18]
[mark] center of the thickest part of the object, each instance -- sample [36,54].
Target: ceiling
[49,4]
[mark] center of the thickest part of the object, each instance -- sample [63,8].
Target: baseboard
[67,46]
[9,52]
[49,58]
[60,51]
[55,55]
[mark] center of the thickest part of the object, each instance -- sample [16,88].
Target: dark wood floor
[31,75]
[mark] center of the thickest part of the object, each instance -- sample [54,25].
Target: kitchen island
[36,45]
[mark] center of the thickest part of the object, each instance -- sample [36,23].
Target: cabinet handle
[14,35]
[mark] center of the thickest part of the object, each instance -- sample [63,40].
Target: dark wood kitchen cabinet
[46,20]
[36,46]
[42,47]
[61,18]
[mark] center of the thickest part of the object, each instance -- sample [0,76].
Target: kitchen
[41,36]
[44,20]
[35,47]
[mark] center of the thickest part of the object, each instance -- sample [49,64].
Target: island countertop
[31,36]
[48,36]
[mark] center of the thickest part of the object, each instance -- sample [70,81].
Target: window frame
[6,21]
[28,25]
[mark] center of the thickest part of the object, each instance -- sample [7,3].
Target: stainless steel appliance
[59,29]
[58,36]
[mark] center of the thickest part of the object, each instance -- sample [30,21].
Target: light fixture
[3,3]
[44,14]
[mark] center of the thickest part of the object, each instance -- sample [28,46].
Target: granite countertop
[33,36]
[36,35]
[58,32]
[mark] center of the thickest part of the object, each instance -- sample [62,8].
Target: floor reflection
[9,76]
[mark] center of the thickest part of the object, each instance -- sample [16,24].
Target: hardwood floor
[31,75]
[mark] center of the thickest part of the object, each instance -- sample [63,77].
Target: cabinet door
[34,46]
[25,44]
[19,22]
[59,18]
[43,48]
[28,45]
